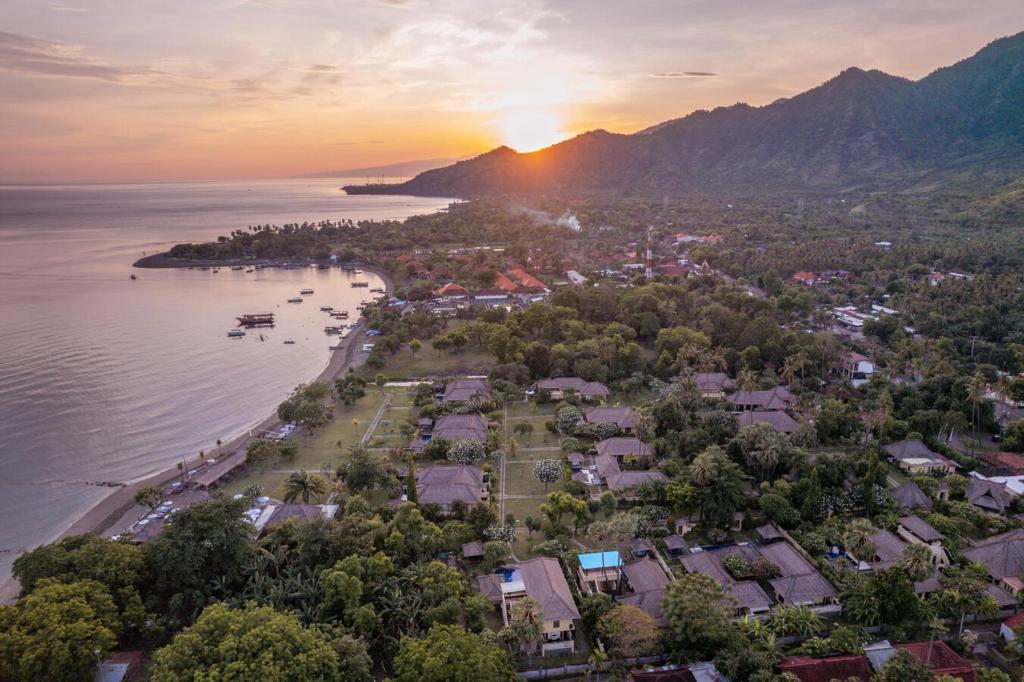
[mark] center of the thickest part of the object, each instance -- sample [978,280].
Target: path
[376,418]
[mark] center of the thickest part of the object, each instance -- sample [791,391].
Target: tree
[415,346]
[448,652]
[495,554]
[149,496]
[567,418]
[57,632]
[917,561]
[608,502]
[548,471]
[796,620]
[764,447]
[903,666]
[525,627]
[697,614]
[523,429]
[466,451]
[365,470]
[412,495]
[857,539]
[1014,438]
[263,453]
[630,631]
[350,388]
[256,642]
[302,484]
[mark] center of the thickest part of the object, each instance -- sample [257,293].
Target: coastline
[107,515]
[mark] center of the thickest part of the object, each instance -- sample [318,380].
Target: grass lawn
[519,480]
[522,508]
[405,365]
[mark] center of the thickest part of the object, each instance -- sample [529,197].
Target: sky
[157,90]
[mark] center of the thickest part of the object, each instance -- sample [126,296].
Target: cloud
[36,56]
[322,67]
[683,74]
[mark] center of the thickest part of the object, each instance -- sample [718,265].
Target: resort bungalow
[609,472]
[452,291]
[778,398]
[575,460]
[461,390]
[540,579]
[857,368]
[443,485]
[599,572]
[626,450]
[909,496]
[780,421]
[275,514]
[644,582]
[1003,559]
[641,547]
[562,386]
[745,596]
[675,545]
[453,427]
[916,530]
[914,457]
[988,494]
[622,417]
[713,384]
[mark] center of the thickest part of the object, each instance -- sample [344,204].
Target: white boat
[295,299]
[232,333]
[306,292]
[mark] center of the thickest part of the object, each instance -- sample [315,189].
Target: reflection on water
[107,379]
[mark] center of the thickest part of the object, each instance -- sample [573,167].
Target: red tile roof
[942,661]
[826,669]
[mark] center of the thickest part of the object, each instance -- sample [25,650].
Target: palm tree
[305,485]
[795,620]
[857,539]
[975,395]
[917,561]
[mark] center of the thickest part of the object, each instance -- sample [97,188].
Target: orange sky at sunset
[102,90]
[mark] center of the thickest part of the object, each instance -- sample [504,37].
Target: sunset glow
[527,131]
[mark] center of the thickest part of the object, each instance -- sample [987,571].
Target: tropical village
[640,441]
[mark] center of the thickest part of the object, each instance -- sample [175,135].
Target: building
[609,472]
[490,297]
[644,583]
[275,514]
[1003,559]
[675,545]
[909,496]
[444,485]
[940,659]
[622,417]
[857,368]
[918,531]
[745,596]
[778,398]
[990,495]
[118,666]
[453,291]
[713,384]
[808,279]
[806,669]
[914,457]
[1011,625]
[641,547]
[599,572]
[575,277]
[780,421]
[461,390]
[542,580]
[625,450]
[559,387]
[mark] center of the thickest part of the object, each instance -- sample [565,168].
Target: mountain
[392,170]
[861,129]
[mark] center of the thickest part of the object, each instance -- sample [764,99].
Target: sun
[530,130]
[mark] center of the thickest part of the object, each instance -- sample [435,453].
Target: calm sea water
[107,379]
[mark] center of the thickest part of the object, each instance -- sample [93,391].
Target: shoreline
[104,516]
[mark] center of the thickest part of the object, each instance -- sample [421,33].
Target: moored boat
[232,333]
[326,308]
[306,292]
[256,320]
[289,341]
[295,299]
[377,290]
[360,284]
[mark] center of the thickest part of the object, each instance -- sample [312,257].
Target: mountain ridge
[860,128]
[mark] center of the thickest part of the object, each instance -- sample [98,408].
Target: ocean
[108,380]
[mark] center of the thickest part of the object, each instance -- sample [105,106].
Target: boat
[359,272]
[377,290]
[132,277]
[332,330]
[232,333]
[256,320]
[250,270]
[295,299]
[360,284]
[236,267]
[326,308]
[289,341]
[340,314]
[306,292]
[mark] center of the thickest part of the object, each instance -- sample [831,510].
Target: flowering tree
[466,452]
[502,533]
[548,471]
[567,418]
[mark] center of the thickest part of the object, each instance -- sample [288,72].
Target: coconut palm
[746,380]
[976,395]
[795,620]
[917,561]
[857,539]
[305,485]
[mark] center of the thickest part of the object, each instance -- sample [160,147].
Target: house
[443,485]
[461,390]
[275,514]
[1011,625]
[611,474]
[888,551]
[672,672]
[768,533]
[641,547]
[599,571]
[649,601]
[490,297]
[1003,559]
[857,368]
[625,450]
[118,666]
[461,427]
[916,530]
[809,589]
[525,282]
[542,580]
[1009,462]
[909,496]
[676,545]
[620,416]
[575,461]
[780,421]
[778,398]
[453,291]
[746,596]
[645,581]
[937,655]
[713,384]
[914,457]
[990,495]
[808,279]
[575,277]
[473,551]
[558,388]
[847,667]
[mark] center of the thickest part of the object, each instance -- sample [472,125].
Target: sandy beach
[118,510]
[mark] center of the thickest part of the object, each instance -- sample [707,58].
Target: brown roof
[675,542]
[581,386]
[641,545]
[915,449]
[778,398]
[1001,555]
[460,390]
[649,601]
[941,659]
[606,466]
[921,528]
[645,575]
[1014,461]
[707,564]
[461,427]
[787,558]
[802,589]
[624,446]
[990,495]
[472,550]
[713,381]
[909,495]
[444,484]
[544,581]
[768,531]
[825,669]
[631,479]
[302,512]
[888,548]
[621,416]
[748,595]
[490,585]
[780,421]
